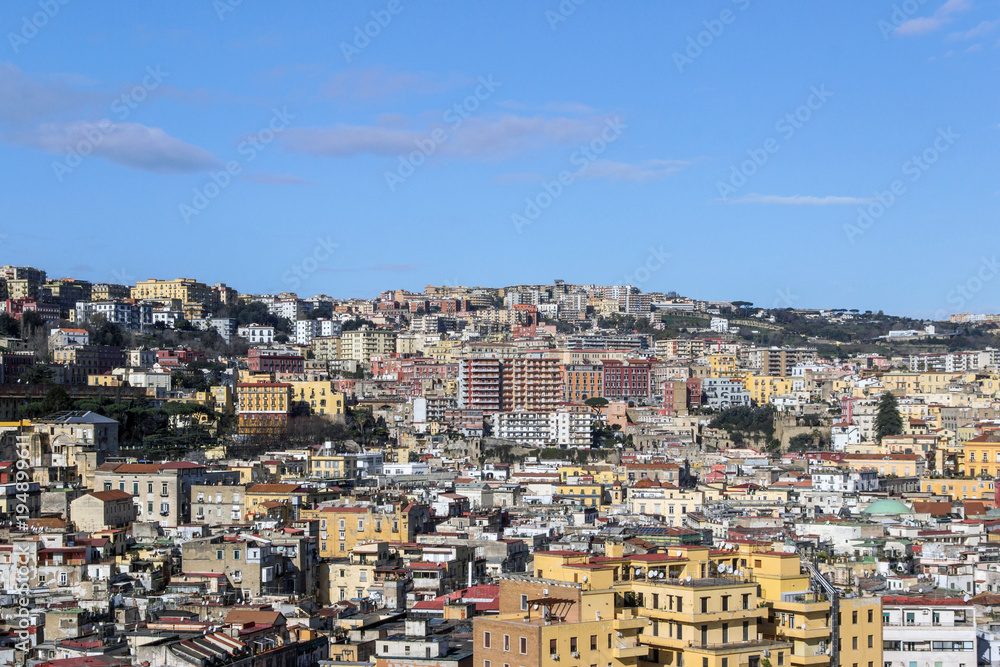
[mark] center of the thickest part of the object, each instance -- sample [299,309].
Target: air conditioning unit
[554,656]
[620,634]
[767,653]
[576,654]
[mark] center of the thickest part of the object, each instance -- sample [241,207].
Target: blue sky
[725,149]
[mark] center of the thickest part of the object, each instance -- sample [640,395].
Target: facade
[941,632]
[161,491]
[103,510]
[263,407]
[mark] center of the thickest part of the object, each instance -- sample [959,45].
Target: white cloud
[130,144]
[981,30]
[476,138]
[801,200]
[924,24]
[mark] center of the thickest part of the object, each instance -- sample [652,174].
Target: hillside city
[553,475]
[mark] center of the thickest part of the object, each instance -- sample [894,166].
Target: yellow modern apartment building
[689,607]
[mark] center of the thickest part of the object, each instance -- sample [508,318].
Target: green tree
[887,418]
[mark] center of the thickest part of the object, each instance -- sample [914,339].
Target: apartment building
[262,407]
[363,344]
[342,528]
[722,393]
[161,491]
[531,383]
[627,379]
[480,384]
[23,282]
[185,290]
[564,427]
[307,330]
[218,504]
[103,510]
[582,381]
[263,360]
[318,397]
[779,361]
[926,631]
[257,334]
[109,292]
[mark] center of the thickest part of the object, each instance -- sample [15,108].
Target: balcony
[624,650]
[817,660]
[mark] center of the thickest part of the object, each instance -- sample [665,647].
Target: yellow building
[588,495]
[982,456]
[601,473]
[343,528]
[291,494]
[222,395]
[722,365]
[328,467]
[959,488]
[263,406]
[319,397]
[763,387]
[185,290]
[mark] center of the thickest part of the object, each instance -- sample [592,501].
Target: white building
[938,632]
[562,428]
[257,334]
[306,330]
[719,325]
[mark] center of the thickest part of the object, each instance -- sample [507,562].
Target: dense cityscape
[530,475]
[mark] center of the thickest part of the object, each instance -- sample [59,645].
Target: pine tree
[887,418]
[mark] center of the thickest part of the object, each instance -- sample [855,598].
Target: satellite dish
[689,578]
[966,598]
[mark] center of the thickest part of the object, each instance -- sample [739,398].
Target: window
[572,644]
[746,631]
[746,600]
[524,603]
[553,646]
[593,642]
[506,643]
[236,554]
[218,554]
[704,605]
[163,489]
[871,641]
[523,645]
[854,643]
[725,633]
[149,487]
[486,640]
[854,617]
[871,615]
[725,603]
[725,662]
[781,658]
